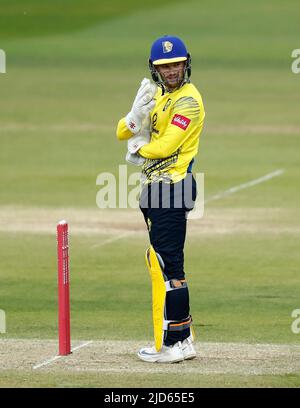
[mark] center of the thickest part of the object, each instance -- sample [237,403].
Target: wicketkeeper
[163,130]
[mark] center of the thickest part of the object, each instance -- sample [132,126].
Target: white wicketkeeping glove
[142,106]
[136,142]
[135,159]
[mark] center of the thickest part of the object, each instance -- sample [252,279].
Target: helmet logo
[167,46]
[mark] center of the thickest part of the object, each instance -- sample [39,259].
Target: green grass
[34,18]
[239,295]
[56,84]
[12,379]
[67,85]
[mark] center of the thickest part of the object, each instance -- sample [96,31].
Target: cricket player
[162,132]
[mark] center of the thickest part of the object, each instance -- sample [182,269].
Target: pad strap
[178,325]
[170,286]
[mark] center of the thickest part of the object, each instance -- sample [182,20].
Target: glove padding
[135,159]
[142,106]
[136,142]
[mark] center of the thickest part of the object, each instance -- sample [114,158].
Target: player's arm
[187,115]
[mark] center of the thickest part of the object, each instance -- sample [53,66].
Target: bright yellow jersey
[176,123]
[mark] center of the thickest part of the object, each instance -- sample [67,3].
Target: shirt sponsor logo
[180,121]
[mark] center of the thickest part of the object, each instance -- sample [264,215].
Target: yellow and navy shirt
[176,124]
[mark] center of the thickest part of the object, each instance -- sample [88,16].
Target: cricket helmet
[165,50]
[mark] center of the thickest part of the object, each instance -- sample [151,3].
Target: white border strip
[251,183]
[51,360]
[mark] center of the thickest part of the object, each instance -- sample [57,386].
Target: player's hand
[142,106]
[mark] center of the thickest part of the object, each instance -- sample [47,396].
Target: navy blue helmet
[166,50]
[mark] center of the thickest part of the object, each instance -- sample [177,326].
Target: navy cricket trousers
[165,208]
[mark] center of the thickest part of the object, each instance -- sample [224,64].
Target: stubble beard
[175,82]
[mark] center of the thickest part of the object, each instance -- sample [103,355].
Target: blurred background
[73,68]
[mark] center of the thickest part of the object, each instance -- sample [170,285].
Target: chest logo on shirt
[180,121]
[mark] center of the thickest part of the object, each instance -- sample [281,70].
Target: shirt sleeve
[185,119]
[123,133]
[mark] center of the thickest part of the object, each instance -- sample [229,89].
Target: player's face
[172,74]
